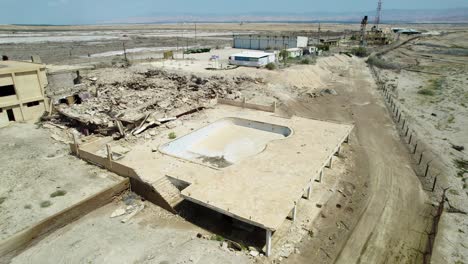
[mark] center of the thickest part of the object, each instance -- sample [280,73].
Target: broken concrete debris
[146,99]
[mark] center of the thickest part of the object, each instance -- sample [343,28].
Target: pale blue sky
[95,11]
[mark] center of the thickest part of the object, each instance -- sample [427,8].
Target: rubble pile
[149,96]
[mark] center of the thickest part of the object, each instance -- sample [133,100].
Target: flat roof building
[252,59]
[258,42]
[22,87]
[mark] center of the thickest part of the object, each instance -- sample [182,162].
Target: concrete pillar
[294,212]
[337,153]
[268,243]
[346,139]
[77,146]
[109,155]
[329,163]
[307,193]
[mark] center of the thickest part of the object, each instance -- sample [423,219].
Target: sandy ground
[156,236]
[152,236]
[35,168]
[383,211]
[390,220]
[432,90]
[97,44]
[383,214]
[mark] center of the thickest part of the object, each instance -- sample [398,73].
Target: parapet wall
[244,104]
[85,151]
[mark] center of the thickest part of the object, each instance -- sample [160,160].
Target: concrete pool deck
[262,189]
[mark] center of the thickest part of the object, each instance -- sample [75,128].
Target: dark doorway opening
[31,104]
[77,99]
[11,115]
[7,90]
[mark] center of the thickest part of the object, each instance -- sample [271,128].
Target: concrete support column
[337,153]
[307,193]
[109,156]
[294,212]
[329,164]
[268,243]
[320,176]
[76,145]
[346,139]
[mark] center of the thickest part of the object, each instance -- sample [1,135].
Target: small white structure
[295,52]
[252,59]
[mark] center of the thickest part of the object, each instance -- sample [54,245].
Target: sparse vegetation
[284,55]
[58,193]
[360,52]
[45,204]
[462,166]
[426,92]
[305,61]
[323,47]
[454,192]
[433,88]
[172,135]
[270,66]
[2,199]
[28,206]
[217,238]
[381,63]
[451,119]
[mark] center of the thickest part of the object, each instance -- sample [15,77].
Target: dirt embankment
[430,95]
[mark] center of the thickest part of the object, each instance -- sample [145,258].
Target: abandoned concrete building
[65,87]
[250,165]
[22,86]
[258,42]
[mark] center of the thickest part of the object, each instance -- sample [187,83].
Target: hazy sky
[95,11]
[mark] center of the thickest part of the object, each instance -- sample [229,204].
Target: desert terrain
[377,203]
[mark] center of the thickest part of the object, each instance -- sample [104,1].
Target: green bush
[270,66]
[58,193]
[381,63]
[172,135]
[426,92]
[305,61]
[323,47]
[360,52]
[45,204]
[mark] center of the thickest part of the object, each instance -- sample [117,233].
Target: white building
[252,59]
[258,42]
[294,52]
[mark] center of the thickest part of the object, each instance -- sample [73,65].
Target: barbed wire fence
[427,164]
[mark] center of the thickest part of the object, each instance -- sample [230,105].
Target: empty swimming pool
[225,142]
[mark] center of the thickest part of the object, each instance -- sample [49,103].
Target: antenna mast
[378,14]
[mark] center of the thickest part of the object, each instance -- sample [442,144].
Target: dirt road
[391,218]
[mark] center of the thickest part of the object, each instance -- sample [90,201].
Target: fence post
[434,184]
[427,169]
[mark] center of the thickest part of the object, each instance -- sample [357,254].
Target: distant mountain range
[455,15]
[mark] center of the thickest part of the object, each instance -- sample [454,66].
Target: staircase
[168,191]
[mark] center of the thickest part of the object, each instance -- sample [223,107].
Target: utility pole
[124,50]
[318,34]
[195,33]
[363,31]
